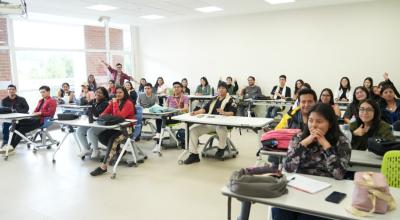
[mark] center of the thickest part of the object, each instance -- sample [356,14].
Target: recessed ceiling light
[275,2]
[209,9]
[102,7]
[152,17]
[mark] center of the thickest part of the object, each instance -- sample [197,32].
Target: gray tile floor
[35,188]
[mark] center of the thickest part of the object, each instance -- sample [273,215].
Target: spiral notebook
[307,184]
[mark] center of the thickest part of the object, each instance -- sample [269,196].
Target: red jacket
[47,109]
[128,110]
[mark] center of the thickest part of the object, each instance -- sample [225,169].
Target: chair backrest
[391,167]
[139,120]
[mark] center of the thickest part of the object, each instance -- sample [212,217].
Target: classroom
[200,109]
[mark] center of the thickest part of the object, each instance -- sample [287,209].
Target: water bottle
[90,115]
[345,128]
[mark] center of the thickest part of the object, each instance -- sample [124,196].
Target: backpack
[180,136]
[381,146]
[67,116]
[278,139]
[109,120]
[5,110]
[371,195]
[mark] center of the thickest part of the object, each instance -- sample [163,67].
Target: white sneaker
[84,153]
[10,150]
[95,154]
[157,137]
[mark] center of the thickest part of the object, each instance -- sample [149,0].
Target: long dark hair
[126,96]
[355,101]
[156,84]
[205,80]
[375,121]
[371,81]
[330,94]
[326,111]
[348,84]
[129,82]
[104,91]
[295,85]
[94,81]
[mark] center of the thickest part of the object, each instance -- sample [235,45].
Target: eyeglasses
[366,110]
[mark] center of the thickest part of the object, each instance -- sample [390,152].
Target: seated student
[111,88]
[326,97]
[160,89]
[121,106]
[204,88]
[390,106]
[86,95]
[46,108]
[252,91]
[376,94]
[321,149]
[178,101]
[148,98]
[360,94]
[280,91]
[186,89]
[344,91]
[16,104]
[296,102]
[388,81]
[232,88]
[225,105]
[99,104]
[92,83]
[65,95]
[369,124]
[297,86]
[131,91]
[141,85]
[368,84]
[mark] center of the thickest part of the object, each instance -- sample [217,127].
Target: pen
[292,179]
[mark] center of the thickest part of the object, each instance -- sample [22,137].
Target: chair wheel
[145,157]
[83,157]
[234,156]
[131,164]
[159,154]
[54,161]
[180,162]
[6,158]
[140,161]
[48,147]
[113,176]
[28,146]
[34,150]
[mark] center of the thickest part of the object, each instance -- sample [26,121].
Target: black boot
[193,158]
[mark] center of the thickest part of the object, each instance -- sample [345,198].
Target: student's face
[361,95]
[317,121]
[119,94]
[127,86]
[367,83]
[184,83]
[147,90]
[306,103]
[119,68]
[222,91]
[111,84]
[44,93]
[99,95]
[91,78]
[366,112]
[142,81]
[202,82]
[11,91]
[160,81]
[65,88]
[282,81]
[344,83]
[325,97]
[228,81]
[251,81]
[299,84]
[177,89]
[388,94]
[377,90]
[85,88]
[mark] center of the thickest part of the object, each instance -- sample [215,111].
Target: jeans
[272,111]
[93,136]
[81,134]
[6,132]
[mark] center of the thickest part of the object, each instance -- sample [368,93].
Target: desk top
[315,204]
[147,112]
[74,106]
[11,116]
[201,96]
[84,122]
[234,121]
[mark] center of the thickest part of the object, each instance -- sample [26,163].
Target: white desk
[343,105]
[315,204]
[231,121]
[14,118]
[74,106]
[270,102]
[200,98]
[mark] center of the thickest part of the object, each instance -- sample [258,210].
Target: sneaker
[193,158]
[4,149]
[85,152]
[95,154]
[157,137]
[98,171]
[220,154]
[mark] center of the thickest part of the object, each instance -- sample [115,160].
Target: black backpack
[109,120]
[380,146]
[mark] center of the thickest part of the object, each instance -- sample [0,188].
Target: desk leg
[79,146]
[157,148]
[186,151]
[190,105]
[59,146]
[127,147]
[229,207]
[12,129]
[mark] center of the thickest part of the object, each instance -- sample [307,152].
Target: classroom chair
[391,167]
[45,138]
[209,150]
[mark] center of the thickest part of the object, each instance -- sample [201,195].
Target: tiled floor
[35,188]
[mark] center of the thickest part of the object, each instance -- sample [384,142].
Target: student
[148,98]
[65,95]
[326,97]
[390,106]
[92,83]
[117,74]
[184,83]
[16,104]
[321,150]
[204,88]
[123,107]
[297,86]
[142,84]
[344,91]
[360,94]
[368,84]
[131,91]
[387,81]
[232,88]
[160,89]
[177,101]
[86,94]
[111,88]
[46,108]
[98,105]
[225,105]
[251,91]
[376,94]
[280,91]
[369,124]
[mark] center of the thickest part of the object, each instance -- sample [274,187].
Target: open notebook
[306,184]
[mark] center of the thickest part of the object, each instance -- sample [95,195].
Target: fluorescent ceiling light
[275,2]
[152,17]
[102,7]
[209,9]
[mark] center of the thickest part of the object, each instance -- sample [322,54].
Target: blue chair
[45,138]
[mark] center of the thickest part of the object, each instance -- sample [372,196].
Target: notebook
[306,184]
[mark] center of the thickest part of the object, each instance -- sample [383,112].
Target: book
[307,184]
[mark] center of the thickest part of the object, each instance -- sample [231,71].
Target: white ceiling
[129,11]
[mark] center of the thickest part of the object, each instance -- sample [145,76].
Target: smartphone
[335,197]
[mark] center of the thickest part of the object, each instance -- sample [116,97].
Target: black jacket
[98,108]
[20,104]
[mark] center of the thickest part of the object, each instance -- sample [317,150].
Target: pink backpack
[279,139]
[371,194]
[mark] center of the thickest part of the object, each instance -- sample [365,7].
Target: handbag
[371,194]
[109,120]
[381,146]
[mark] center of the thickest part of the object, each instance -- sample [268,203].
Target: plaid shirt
[122,78]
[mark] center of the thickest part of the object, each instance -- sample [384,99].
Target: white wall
[318,45]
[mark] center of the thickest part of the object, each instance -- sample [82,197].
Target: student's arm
[385,131]
[230,108]
[185,108]
[348,114]
[23,107]
[288,92]
[108,110]
[337,158]
[295,155]
[273,90]
[336,108]
[49,108]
